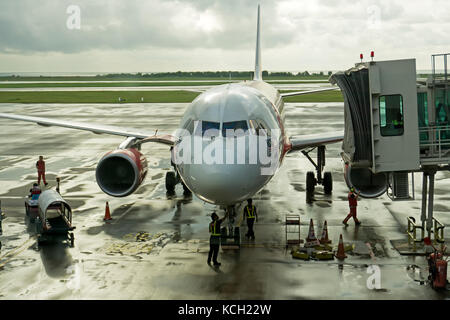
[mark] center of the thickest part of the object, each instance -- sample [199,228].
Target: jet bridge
[395,124]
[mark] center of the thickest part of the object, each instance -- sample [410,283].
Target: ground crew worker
[250,215]
[34,191]
[214,240]
[40,166]
[352,202]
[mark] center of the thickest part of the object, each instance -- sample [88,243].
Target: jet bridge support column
[423,216]
[427,192]
[430,203]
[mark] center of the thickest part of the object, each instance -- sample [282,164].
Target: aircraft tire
[327,182]
[310,182]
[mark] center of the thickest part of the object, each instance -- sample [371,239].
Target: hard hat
[213,215]
[352,189]
[427,241]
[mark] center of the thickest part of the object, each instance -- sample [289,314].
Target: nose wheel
[312,180]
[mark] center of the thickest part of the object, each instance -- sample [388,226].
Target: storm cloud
[157,35]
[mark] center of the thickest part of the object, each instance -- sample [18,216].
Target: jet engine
[369,185]
[120,172]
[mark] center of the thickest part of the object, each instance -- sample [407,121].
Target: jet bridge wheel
[327,182]
[171,181]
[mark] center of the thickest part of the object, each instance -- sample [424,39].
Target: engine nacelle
[369,185]
[120,172]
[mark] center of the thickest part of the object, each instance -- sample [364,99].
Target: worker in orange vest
[40,166]
[250,214]
[352,203]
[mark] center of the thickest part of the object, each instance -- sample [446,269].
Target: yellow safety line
[16,251]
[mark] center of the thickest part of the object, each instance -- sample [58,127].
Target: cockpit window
[208,128]
[190,126]
[259,128]
[234,128]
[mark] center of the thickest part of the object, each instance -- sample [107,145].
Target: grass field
[96,96]
[132,84]
[135,96]
[140,78]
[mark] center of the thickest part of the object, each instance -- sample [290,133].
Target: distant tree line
[225,75]
[213,74]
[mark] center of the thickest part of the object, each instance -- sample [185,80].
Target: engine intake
[120,172]
[369,185]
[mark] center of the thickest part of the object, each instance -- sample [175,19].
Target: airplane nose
[230,181]
[225,183]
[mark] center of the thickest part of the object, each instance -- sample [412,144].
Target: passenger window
[391,115]
[234,128]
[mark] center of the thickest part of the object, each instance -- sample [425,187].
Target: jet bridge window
[391,115]
[234,128]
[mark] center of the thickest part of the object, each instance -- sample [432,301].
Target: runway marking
[13,253]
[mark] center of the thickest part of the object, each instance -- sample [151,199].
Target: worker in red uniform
[40,166]
[352,203]
[250,215]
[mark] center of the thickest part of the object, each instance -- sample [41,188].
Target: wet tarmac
[169,259]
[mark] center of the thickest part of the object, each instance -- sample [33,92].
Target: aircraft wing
[95,128]
[299,93]
[314,140]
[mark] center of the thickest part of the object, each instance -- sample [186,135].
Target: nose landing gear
[311,181]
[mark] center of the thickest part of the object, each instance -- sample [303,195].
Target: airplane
[253,108]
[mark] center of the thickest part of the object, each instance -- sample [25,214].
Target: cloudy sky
[166,35]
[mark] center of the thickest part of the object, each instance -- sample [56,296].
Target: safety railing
[437,141]
[438,228]
[412,231]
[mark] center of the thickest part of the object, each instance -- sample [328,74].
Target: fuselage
[231,141]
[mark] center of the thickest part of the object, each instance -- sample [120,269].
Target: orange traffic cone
[324,238]
[340,254]
[311,240]
[107,213]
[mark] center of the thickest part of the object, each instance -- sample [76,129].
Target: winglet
[258,71]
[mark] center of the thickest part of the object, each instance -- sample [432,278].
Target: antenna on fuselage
[258,71]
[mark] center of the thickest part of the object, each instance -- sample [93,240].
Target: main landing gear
[172,179]
[311,181]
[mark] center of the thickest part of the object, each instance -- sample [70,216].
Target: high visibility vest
[212,229]
[251,213]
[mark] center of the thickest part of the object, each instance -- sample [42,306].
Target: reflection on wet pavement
[169,260]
